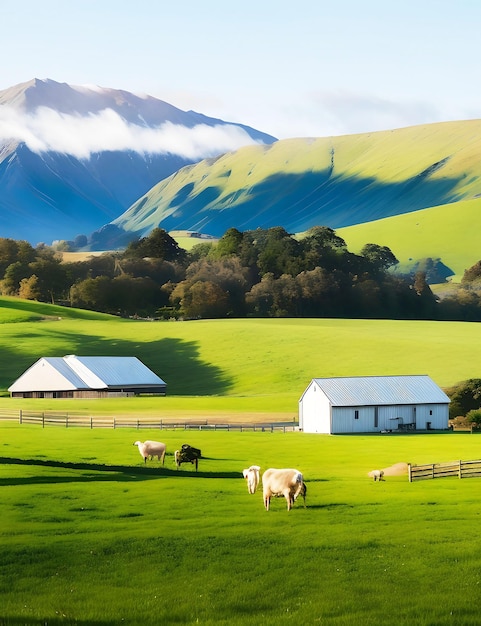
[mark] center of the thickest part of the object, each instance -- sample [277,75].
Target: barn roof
[379,390]
[93,372]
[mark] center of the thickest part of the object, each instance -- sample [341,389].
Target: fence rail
[459,469]
[66,420]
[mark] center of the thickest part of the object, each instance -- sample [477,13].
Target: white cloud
[361,113]
[48,130]
[339,112]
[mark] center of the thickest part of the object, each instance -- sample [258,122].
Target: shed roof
[94,372]
[379,390]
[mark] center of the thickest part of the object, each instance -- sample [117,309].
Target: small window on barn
[430,411]
[356,414]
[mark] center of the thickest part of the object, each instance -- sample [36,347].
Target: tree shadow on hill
[176,361]
[100,472]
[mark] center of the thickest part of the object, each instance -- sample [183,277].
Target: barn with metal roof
[364,404]
[87,377]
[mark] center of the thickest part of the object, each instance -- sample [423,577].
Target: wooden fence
[66,420]
[459,469]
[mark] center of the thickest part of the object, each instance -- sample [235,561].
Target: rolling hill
[274,358]
[339,182]
[449,232]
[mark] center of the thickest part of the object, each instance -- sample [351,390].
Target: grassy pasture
[448,232]
[91,536]
[237,369]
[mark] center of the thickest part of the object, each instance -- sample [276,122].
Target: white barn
[366,404]
[87,377]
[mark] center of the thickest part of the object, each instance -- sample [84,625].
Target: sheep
[283,482]
[150,449]
[377,475]
[187,454]
[251,474]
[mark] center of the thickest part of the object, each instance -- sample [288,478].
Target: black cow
[187,454]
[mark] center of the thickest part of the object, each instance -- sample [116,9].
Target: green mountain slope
[449,232]
[334,181]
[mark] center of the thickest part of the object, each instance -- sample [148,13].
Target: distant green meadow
[230,367]
[90,535]
[448,232]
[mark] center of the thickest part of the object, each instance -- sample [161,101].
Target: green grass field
[91,536]
[448,232]
[251,367]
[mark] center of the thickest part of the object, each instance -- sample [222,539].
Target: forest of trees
[258,273]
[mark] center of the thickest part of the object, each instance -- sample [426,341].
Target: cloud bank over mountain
[74,158]
[48,130]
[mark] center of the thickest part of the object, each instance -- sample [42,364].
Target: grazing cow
[377,475]
[251,474]
[150,449]
[187,454]
[283,482]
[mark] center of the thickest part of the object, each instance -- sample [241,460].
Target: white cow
[251,474]
[283,482]
[377,475]
[150,449]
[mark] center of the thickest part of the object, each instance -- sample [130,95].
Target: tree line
[261,273]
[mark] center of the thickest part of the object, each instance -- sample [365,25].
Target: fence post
[20,416]
[409,473]
[460,469]
[66,421]
[43,420]
[114,423]
[91,423]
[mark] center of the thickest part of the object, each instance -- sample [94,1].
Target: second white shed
[364,404]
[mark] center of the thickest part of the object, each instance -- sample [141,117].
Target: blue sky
[304,68]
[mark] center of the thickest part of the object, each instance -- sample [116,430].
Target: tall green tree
[465,396]
[228,245]
[322,248]
[201,299]
[380,258]
[279,254]
[159,245]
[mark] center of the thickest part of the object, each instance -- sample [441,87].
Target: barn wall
[392,417]
[436,415]
[314,411]
[344,420]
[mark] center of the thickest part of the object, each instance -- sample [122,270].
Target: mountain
[300,183]
[73,158]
